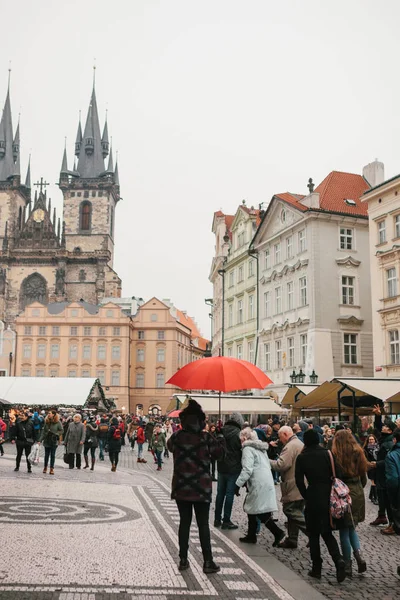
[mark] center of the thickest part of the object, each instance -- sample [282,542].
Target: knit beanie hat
[311,438]
[192,412]
[237,418]
[392,426]
[303,425]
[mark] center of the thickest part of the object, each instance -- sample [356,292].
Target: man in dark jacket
[385,445]
[193,449]
[23,434]
[229,469]
[392,470]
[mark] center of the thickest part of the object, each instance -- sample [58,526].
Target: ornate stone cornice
[285,325]
[350,320]
[348,261]
[286,269]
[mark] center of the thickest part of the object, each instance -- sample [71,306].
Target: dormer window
[89,146]
[350,202]
[2,148]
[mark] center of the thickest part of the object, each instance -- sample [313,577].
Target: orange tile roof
[191,324]
[338,187]
[334,190]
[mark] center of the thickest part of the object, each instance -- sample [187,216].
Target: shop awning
[296,393]
[247,405]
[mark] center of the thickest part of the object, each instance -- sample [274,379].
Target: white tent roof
[47,391]
[248,405]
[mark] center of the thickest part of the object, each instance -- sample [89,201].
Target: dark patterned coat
[193,450]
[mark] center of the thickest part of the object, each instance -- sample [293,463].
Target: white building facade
[383,202]
[314,290]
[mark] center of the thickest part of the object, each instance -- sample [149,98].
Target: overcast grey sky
[209,102]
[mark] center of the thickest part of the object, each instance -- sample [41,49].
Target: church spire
[116,174]
[64,165]
[78,141]
[16,144]
[110,168]
[104,140]
[91,161]
[7,166]
[28,175]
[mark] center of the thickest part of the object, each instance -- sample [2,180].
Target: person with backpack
[102,436]
[158,444]
[114,442]
[352,470]
[23,434]
[38,422]
[313,464]
[50,437]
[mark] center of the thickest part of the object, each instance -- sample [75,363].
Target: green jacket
[51,434]
[158,441]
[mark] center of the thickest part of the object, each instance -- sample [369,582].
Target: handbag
[34,455]
[66,457]
[340,499]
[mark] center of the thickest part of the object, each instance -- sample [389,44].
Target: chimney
[374,173]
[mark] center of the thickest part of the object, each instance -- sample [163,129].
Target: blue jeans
[225,495]
[348,540]
[159,458]
[49,453]
[140,450]
[102,445]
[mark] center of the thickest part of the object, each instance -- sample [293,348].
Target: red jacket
[140,435]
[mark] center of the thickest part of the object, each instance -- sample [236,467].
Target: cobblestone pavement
[116,533]
[82,535]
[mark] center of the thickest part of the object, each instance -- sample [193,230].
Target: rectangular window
[85,373]
[87,352]
[290,294]
[160,380]
[230,314]
[267,358]
[346,238]
[87,331]
[42,330]
[239,351]
[27,351]
[250,352]
[55,351]
[28,330]
[240,239]
[56,331]
[240,311]
[140,380]
[41,351]
[302,240]
[161,335]
[102,331]
[391,282]
[397,226]
[350,348]
[394,347]
[101,377]
[115,377]
[73,351]
[347,290]
[140,335]
[303,291]
[140,354]
[71,373]
[277,253]
[290,345]
[101,352]
[39,372]
[240,274]
[116,330]
[160,354]
[251,307]
[381,232]
[109,313]
[289,247]
[267,304]
[267,259]
[231,278]
[229,350]
[278,354]
[303,349]
[73,331]
[26,373]
[53,373]
[251,268]
[278,300]
[116,352]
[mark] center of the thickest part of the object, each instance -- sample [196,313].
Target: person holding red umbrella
[193,449]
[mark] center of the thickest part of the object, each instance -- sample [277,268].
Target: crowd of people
[323,474]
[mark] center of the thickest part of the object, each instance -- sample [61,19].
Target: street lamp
[293,377]
[313,377]
[300,377]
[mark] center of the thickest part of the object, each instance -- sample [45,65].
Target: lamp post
[313,377]
[293,377]
[222,273]
[210,302]
[300,377]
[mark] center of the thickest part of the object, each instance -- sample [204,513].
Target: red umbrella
[174,414]
[220,373]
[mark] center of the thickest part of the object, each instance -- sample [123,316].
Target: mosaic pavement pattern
[111,535]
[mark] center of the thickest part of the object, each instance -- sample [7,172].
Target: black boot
[340,570]
[86,462]
[316,570]
[183,564]
[93,462]
[209,566]
[248,540]
[276,531]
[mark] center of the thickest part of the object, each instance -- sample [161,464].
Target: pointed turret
[116,174]
[28,175]
[91,162]
[110,168]
[78,142]
[6,140]
[104,140]
[16,144]
[64,166]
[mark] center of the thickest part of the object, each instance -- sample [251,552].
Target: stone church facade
[46,259]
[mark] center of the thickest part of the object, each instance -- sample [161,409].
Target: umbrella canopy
[174,414]
[220,373]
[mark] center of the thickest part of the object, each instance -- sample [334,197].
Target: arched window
[20,218]
[85,216]
[33,289]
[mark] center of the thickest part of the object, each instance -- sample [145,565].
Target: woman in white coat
[256,475]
